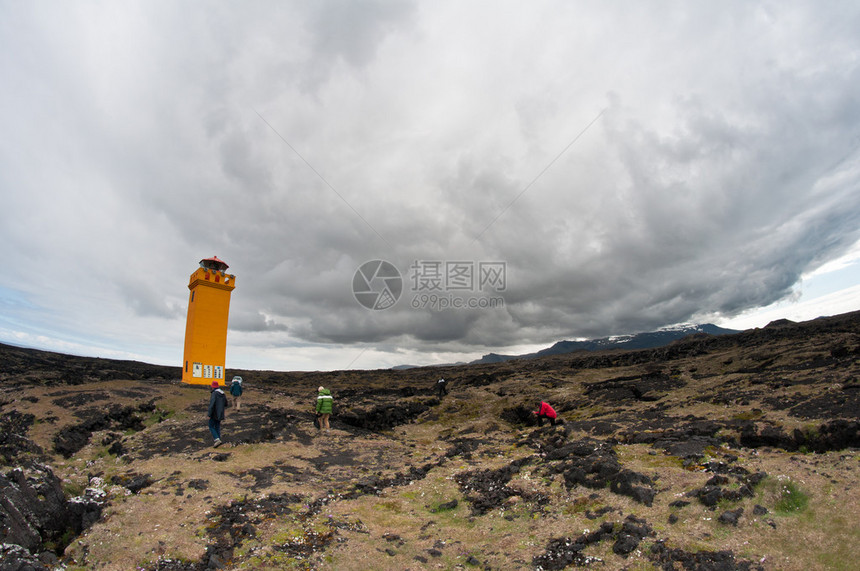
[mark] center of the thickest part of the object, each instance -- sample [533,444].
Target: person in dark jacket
[545,411]
[236,391]
[324,406]
[217,404]
[442,387]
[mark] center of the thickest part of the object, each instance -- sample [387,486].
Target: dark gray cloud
[632,167]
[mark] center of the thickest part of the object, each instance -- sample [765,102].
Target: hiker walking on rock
[236,391]
[545,411]
[324,406]
[442,387]
[217,404]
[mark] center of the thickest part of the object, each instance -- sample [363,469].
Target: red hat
[214,384]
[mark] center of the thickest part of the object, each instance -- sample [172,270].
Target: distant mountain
[407,367]
[649,340]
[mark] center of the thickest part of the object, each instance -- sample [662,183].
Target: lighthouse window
[192,297]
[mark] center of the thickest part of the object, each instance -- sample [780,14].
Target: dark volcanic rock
[198,484]
[34,510]
[768,435]
[446,506]
[375,484]
[117,449]
[33,507]
[384,417]
[624,483]
[836,434]
[713,491]
[81,399]
[14,443]
[563,552]
[16,558]
[479,380]
[73,438]
[595,465]
[133,482]
[731,517]
[32,366]
[686,440]
[625,544]
[519,415]
[649,387]
[488,489]
[704,560]
[842,404]
[463,447]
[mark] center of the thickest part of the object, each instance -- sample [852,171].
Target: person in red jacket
[545,411]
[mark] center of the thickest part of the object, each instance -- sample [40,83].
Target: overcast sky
[570,169]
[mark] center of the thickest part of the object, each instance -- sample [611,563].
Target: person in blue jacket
[236,391]
[217,404]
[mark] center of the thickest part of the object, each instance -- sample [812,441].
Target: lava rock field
[734,452]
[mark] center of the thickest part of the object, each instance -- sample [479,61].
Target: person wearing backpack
[217,404]
[442,387]
[324,406]
[236,391]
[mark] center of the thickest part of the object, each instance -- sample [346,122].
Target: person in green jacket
[324,403]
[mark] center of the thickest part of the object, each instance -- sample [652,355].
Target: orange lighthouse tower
[206,326]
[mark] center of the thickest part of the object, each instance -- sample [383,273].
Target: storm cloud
[630,165]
